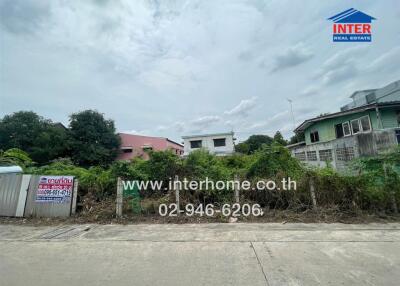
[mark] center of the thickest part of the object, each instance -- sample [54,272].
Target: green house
[368,125]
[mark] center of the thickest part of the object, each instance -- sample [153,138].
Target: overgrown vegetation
[373,184]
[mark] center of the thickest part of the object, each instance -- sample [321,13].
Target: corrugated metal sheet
[10,185]
[22,195]
[44,209]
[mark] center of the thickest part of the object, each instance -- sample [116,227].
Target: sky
[175,68]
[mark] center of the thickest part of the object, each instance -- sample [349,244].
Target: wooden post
[119,200]
[312,193]
[236,187]
[392,196]
[379,118]
[74,196]
[177,194]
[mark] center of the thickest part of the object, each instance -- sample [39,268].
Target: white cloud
[389,61]
[341,66]
[205,120]
[292,57]
[243,108]
[168,68]
[310,90]
[272,121]
[134,132]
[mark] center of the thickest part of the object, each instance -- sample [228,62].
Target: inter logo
[352,26]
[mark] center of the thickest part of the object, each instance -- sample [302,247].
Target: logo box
[352,26]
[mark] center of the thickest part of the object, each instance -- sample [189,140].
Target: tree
[93,140]
[20,129]
[279,138]
[50,144]
[253,143]
[298,137]
[39,137]
[242,147]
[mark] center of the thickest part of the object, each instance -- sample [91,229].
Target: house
[139,146]
[220,144]
[367,126]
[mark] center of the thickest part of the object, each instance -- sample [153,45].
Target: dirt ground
[277,216]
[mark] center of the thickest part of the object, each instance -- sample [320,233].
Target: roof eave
[308,122]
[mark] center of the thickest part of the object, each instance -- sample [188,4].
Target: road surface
[200,254]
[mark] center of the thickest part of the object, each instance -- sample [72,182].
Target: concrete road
[206,254]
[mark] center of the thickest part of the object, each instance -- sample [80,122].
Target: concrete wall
[208,143]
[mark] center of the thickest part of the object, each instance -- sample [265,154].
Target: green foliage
[163,165]
[298,137]
[279,138]
[382,176]
[20,129]
[274,159]
[40,138]
[238,163]
[93,139]
[242,148]
[15,156]
[253,143]
[134,170]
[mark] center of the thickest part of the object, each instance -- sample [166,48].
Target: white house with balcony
[220,144]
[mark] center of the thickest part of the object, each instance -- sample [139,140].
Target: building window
[398,135]
[398,117]
[325,155]
[365,123]
[147,148]
[355,126]
[312,155]
[346,129]
[342,130]
[345,153]
[300,155]
[339,130]
[362,124]
[195,144]
[127,150]
[219,142]
[314,136]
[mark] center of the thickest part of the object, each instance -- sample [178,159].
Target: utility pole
[291,111]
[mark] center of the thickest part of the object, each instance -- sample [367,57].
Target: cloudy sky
[173,68]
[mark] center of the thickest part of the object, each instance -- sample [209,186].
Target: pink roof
[137,143]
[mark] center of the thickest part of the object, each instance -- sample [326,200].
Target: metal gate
[13,191]
[40,209]
[19,197]
[10,185]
